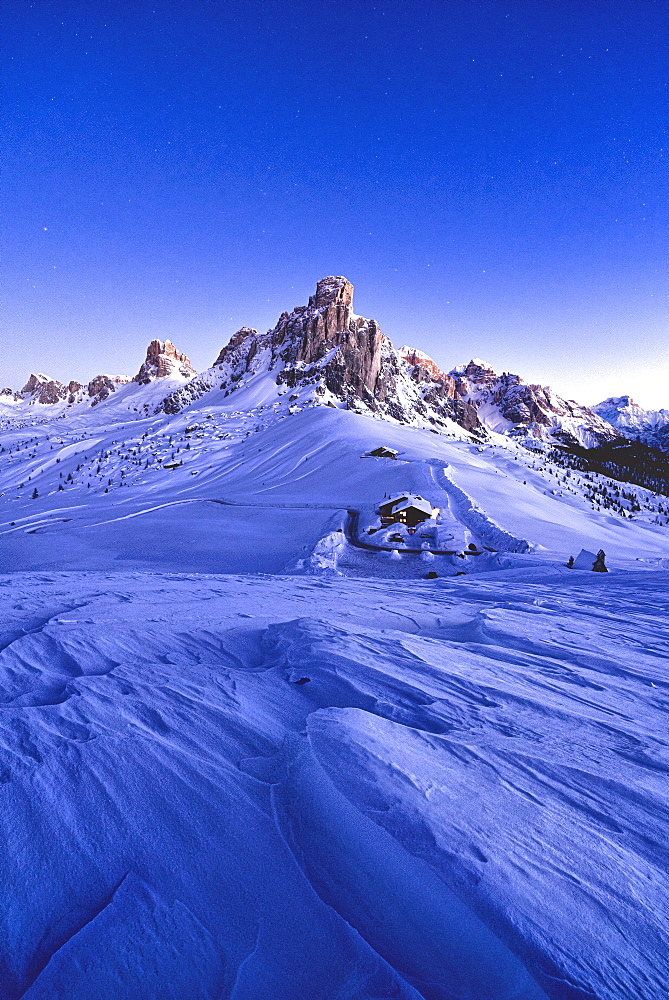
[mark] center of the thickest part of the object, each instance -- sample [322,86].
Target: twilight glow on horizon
[487,174]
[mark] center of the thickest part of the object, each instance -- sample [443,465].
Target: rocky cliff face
[163,361]
[333,357]
[328,323]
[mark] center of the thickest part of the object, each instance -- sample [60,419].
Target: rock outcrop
[423,365]
[43,389]
[99,388]
[328,323]
[164,361]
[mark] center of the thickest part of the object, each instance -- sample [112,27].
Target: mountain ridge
[322,353]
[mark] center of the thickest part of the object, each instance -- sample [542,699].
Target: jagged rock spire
[327,322]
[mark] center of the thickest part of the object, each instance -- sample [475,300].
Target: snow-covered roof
[413,500]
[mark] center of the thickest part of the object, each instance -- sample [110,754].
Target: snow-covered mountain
[328,355]
[324,354]
[648,426]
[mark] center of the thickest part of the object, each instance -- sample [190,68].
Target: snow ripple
[263,787]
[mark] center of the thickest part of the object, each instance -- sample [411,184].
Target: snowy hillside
[278,434]
[256,743]
[83,492]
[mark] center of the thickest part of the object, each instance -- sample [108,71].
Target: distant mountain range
[323,354]
[651,427]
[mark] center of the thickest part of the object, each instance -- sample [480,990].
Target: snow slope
[289,472]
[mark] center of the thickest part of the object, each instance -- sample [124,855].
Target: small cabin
[383,452]
[406,508]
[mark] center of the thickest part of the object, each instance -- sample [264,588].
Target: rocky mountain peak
[99,388]
[164,361]
[45,390]
[328,355]
[477,371]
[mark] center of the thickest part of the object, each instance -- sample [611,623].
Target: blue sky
[489,175]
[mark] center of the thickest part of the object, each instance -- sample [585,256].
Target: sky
[488,174]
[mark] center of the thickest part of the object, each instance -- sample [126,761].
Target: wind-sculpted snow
[262,787]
